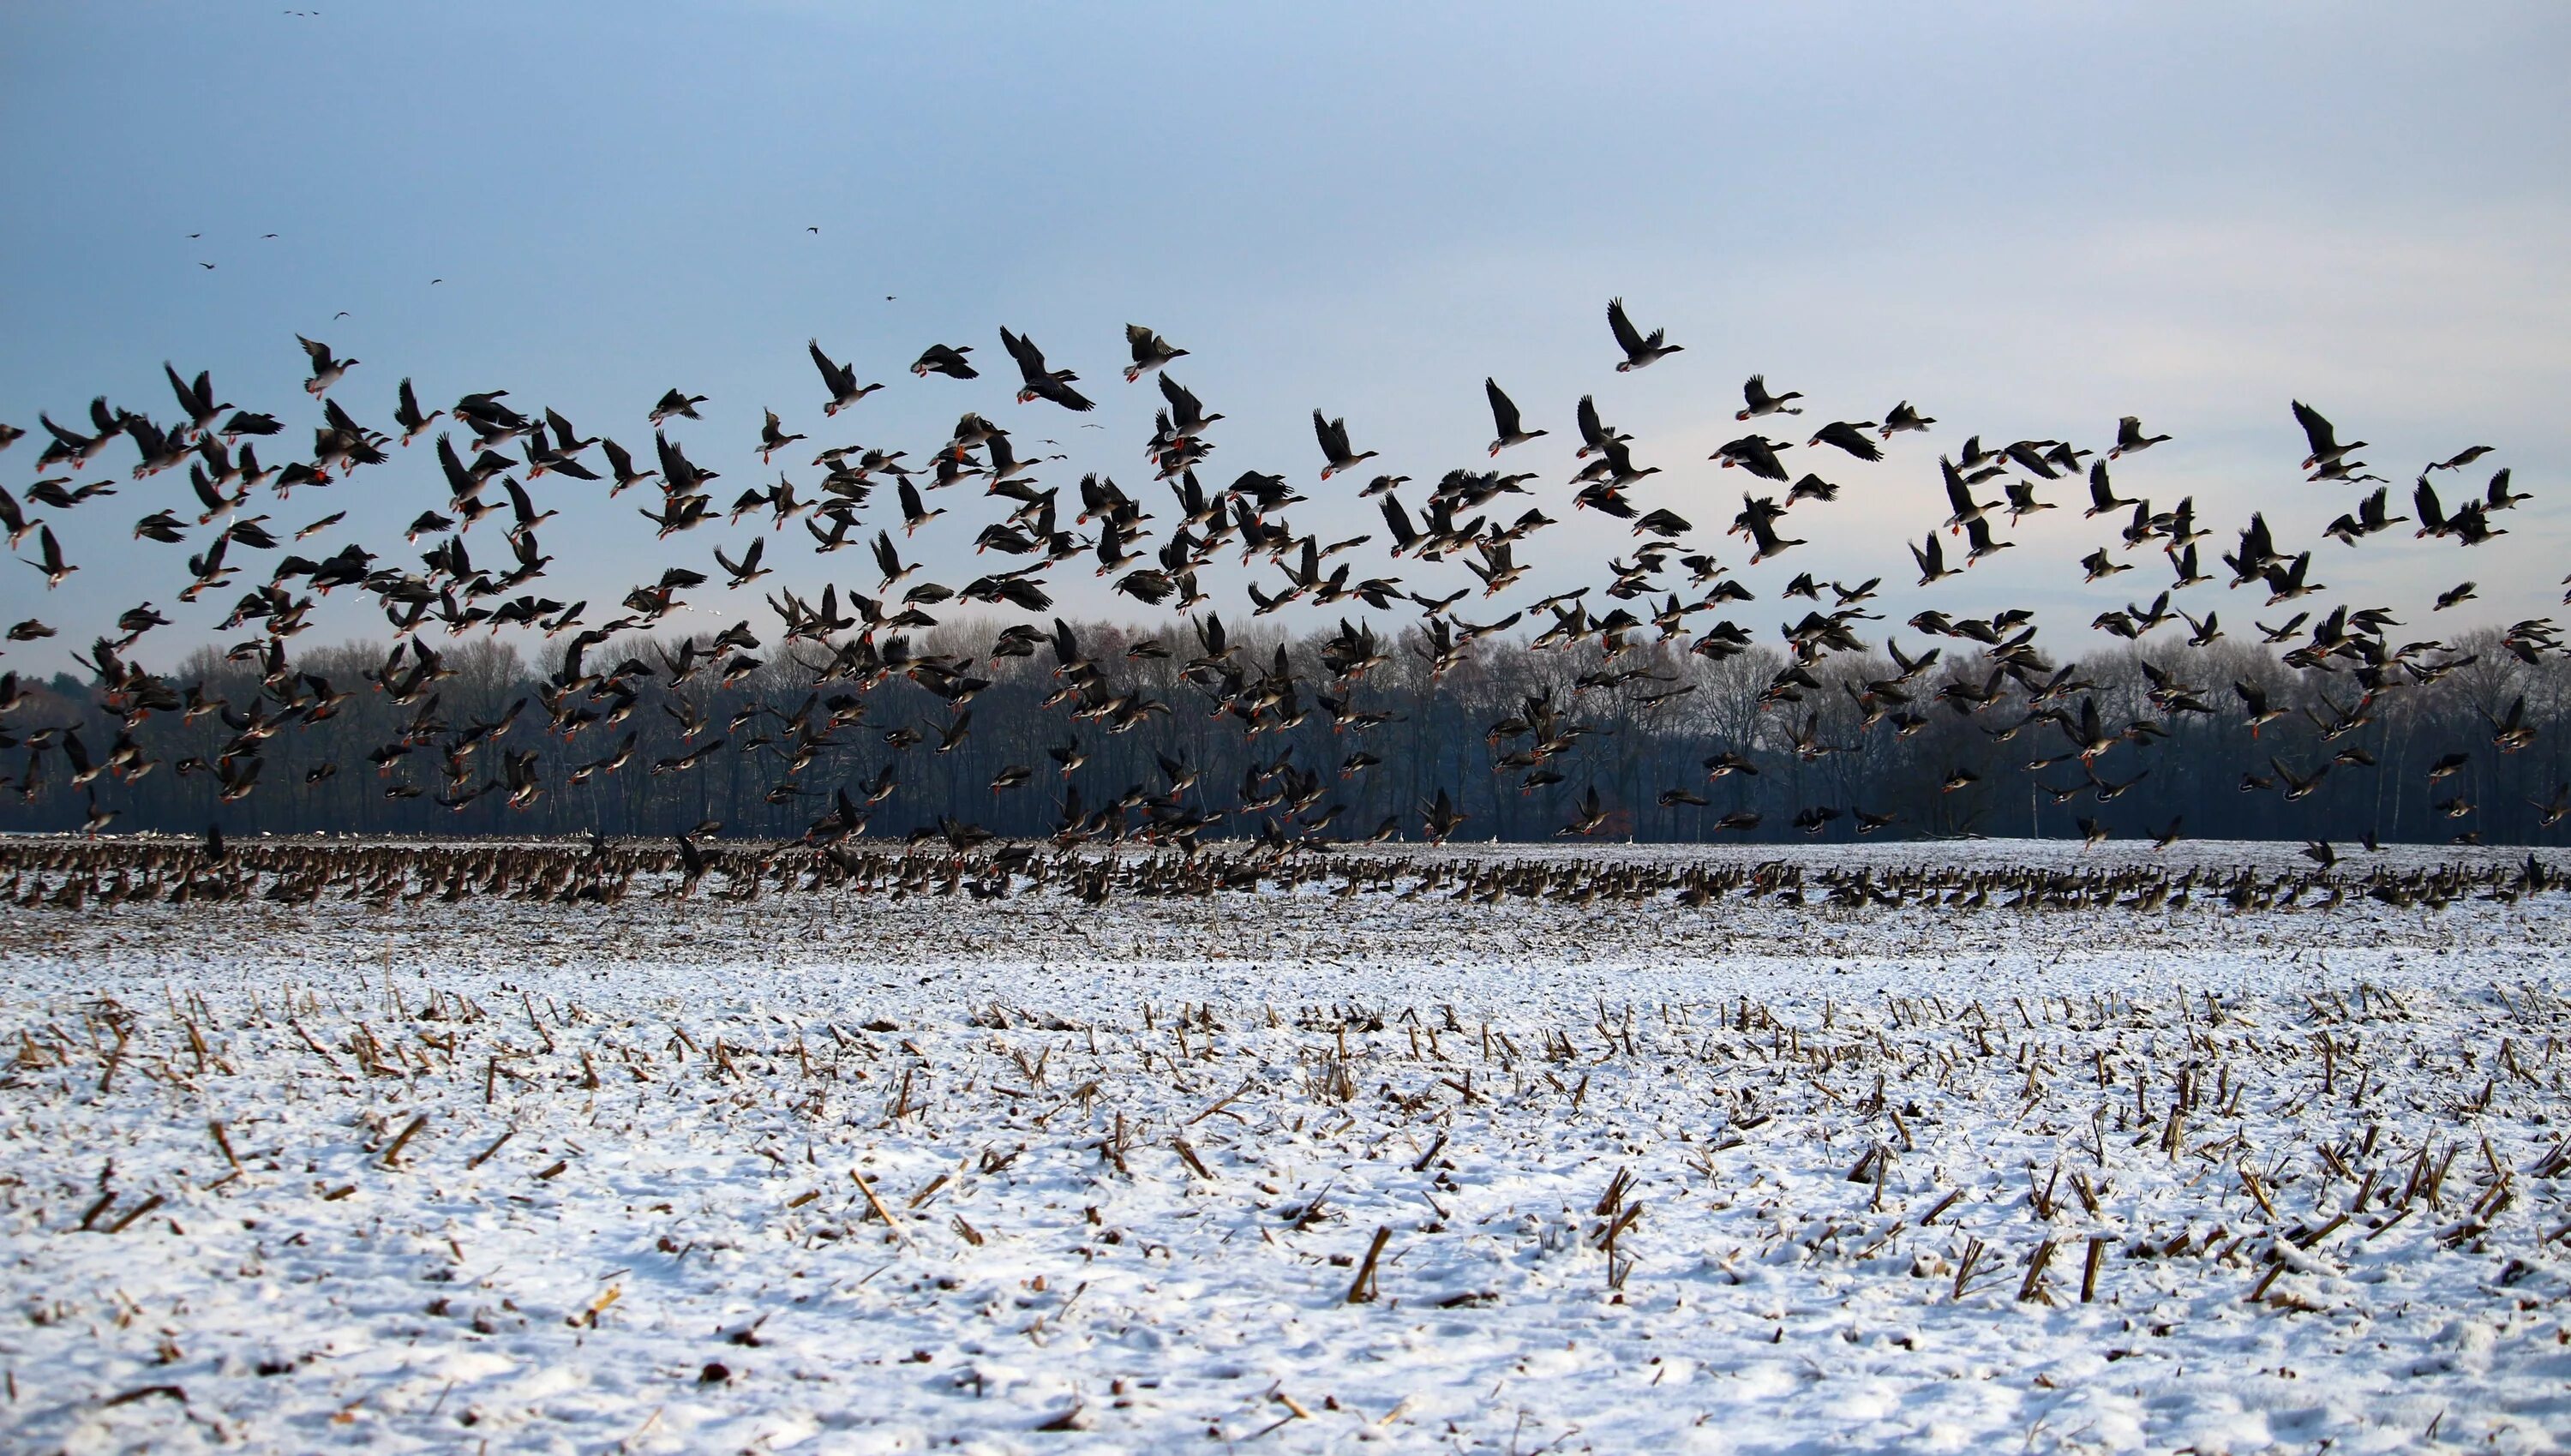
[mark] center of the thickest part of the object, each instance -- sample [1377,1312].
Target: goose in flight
[1595,436]
[1755,454]
[841,379]
[1756,401]
[1333,435]
[1150,351]
[2318,432]
[1039,381]
[1505,419]
[326,371]
[49,557]
[407,414]
[1903,418]
[772,437]
[2102,494]
[1850,436]
[945,359]
[678,404]
[2130,438]
[196,400]
[1640,348]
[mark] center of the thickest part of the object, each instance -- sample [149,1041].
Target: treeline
[1639,733]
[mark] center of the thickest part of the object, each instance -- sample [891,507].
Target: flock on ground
[496,458]
[73,874]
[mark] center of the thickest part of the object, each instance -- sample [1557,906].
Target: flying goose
[1150,351]
[1849,435]
[945,359]
[1505,419]
[326,371]
[839,379]
[1903,418]
[1039,381]
[1640,348]
[2318,432]
[677,404]
[1333,435]
[2130,438]
[1756,401]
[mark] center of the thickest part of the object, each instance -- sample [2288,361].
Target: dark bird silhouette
[1640,348]
[1039,381]
[1508,428]
[2130,438]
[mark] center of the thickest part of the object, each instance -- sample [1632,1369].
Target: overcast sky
[2028,220]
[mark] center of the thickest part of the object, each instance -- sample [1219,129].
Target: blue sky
[2027,218]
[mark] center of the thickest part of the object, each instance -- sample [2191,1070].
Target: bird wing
[1063,395]
[2316,430]
[1959,494]
[1504,411]
[1623,327]
[1031,360]
[832,374]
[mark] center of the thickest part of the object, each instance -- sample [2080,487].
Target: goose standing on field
[1505,419]
[1640,348]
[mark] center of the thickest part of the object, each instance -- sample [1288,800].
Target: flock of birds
[495,458]
[71,874]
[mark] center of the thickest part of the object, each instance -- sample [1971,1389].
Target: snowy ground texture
[857,1174]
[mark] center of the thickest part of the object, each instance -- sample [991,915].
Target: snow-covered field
[855,1174]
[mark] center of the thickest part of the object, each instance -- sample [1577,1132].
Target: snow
[1013,1079]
